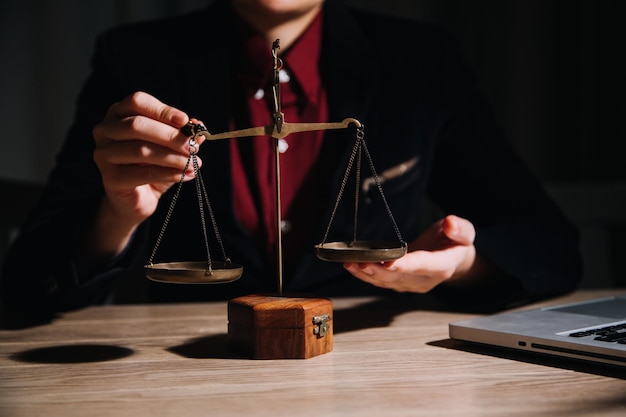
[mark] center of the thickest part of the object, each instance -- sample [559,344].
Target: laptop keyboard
[615,333]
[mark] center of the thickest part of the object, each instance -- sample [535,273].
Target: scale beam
[286,129]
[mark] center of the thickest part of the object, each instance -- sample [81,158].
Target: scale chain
[199,189]
[342,187]
[170,210]
[218,237]
[202,195]
[359,147]
[382,195]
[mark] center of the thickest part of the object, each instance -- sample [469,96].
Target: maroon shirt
[303,99]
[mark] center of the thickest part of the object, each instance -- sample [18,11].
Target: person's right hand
[140,152]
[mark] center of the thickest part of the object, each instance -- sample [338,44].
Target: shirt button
[285,226]
[282,145]
[283,76]
[259,94]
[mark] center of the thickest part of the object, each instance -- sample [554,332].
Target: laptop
[592,330]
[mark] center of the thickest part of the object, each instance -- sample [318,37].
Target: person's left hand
[443,252]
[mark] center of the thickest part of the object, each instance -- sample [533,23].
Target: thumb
[459,230]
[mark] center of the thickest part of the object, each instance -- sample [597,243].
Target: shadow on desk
[81,353]
[534,358]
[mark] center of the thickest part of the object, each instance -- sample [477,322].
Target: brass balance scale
[212,272]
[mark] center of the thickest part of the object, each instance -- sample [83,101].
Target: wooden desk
[171,360]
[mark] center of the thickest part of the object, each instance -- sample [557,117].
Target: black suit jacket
[405,80]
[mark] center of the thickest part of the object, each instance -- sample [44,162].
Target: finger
[401,281]
[439,264]
[367,273]
[459,230]
[130,176]
[359,268]
[140,152]
[131,164]
[143,117]
[140,128]
[144,104]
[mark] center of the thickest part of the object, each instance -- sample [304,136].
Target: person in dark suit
[500,241]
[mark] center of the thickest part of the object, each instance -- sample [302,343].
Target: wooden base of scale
[280,327]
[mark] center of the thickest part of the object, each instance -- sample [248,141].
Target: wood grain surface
[389,359]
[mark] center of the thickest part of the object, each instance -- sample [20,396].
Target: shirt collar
[301,60]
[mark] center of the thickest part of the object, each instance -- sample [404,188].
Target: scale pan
[193,272]
[360,251]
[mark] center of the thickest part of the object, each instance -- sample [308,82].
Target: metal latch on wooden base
[321,325]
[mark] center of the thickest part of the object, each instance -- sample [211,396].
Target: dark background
[553,69]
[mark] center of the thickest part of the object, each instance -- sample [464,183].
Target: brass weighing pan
[360,251]
[193,272]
